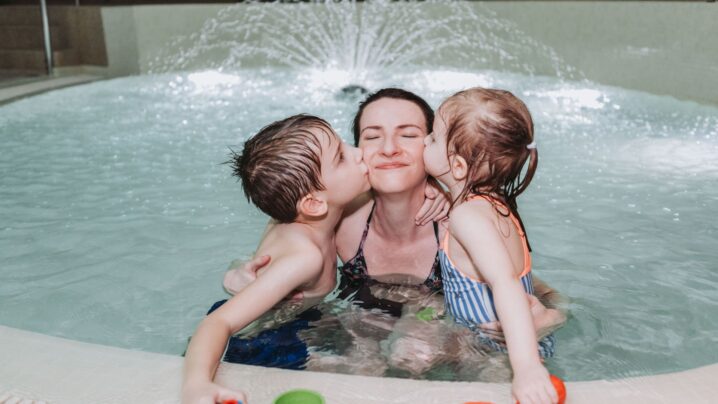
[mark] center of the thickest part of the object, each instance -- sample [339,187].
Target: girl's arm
[473,227]
[286,273]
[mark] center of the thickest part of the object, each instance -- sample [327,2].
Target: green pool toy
[426,314]
[300,396]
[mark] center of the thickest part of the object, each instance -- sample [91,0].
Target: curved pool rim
[95,373]
[34,362]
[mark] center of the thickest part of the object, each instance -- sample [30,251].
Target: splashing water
[359,39]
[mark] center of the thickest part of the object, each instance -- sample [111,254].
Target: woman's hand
[532,385]
[436,204]
[545,321]
[211,393]
[238,277]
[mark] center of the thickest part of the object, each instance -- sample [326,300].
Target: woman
[389,236]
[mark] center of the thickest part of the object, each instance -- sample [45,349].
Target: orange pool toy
[560,389]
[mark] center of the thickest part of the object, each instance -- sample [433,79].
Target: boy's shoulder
[291,241]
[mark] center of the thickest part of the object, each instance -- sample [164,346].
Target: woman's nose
[388,147]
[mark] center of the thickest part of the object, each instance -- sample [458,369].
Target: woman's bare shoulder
[351,227]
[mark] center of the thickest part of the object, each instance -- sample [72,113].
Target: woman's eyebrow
[408,125]
[376,127]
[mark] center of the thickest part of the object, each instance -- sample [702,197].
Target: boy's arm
[477,233]
[286,273]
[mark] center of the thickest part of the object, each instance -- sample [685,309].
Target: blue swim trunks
[277,348]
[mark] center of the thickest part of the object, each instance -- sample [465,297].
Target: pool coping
[57,370]
[29,86]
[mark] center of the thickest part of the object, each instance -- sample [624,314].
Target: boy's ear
[459,167]
[312,206]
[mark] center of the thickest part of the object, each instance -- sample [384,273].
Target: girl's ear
[459,167]
[312,205]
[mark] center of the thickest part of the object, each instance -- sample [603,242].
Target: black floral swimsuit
[356,282]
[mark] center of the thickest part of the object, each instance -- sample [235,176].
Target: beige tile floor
[55,370]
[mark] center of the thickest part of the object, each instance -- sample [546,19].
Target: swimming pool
[118,218]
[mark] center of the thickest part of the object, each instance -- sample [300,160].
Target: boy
[299,172]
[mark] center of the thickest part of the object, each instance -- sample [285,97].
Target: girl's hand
[211,393]
[533,386]
[436,204]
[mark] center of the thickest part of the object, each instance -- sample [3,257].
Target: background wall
[660,47]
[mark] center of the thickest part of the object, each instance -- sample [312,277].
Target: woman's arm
[548,309]
[483,242]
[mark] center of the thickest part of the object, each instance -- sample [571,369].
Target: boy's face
[344,174]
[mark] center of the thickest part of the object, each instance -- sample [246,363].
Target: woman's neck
[394,214]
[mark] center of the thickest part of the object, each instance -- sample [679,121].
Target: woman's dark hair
[398,94]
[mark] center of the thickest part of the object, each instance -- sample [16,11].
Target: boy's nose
[358,154]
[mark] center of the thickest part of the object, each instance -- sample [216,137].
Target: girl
[481,141]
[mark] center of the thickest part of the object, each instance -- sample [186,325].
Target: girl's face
[436,158]
[392,133]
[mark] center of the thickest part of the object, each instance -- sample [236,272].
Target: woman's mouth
[390,166]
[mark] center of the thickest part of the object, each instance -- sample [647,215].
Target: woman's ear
[312,205]
[459,167]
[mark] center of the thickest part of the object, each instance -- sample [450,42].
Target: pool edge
[43,84]
[56,370]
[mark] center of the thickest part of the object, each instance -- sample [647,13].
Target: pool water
[118,218]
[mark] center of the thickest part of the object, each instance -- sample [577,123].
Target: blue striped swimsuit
[471,302]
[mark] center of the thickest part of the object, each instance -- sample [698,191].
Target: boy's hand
[436,204]
[211,393]
[533,386]
[238,278]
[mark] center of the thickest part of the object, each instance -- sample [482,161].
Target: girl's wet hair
[490,129]
[281,164]
[398,94]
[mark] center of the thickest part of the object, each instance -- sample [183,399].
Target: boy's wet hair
[281,164]
[397,94]
[491,128]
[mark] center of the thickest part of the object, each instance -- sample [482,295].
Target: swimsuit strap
[517,224]
[366,230]
[368,222]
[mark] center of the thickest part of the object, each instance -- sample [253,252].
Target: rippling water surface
[118,218]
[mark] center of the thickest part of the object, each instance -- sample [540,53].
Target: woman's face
[391,136]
